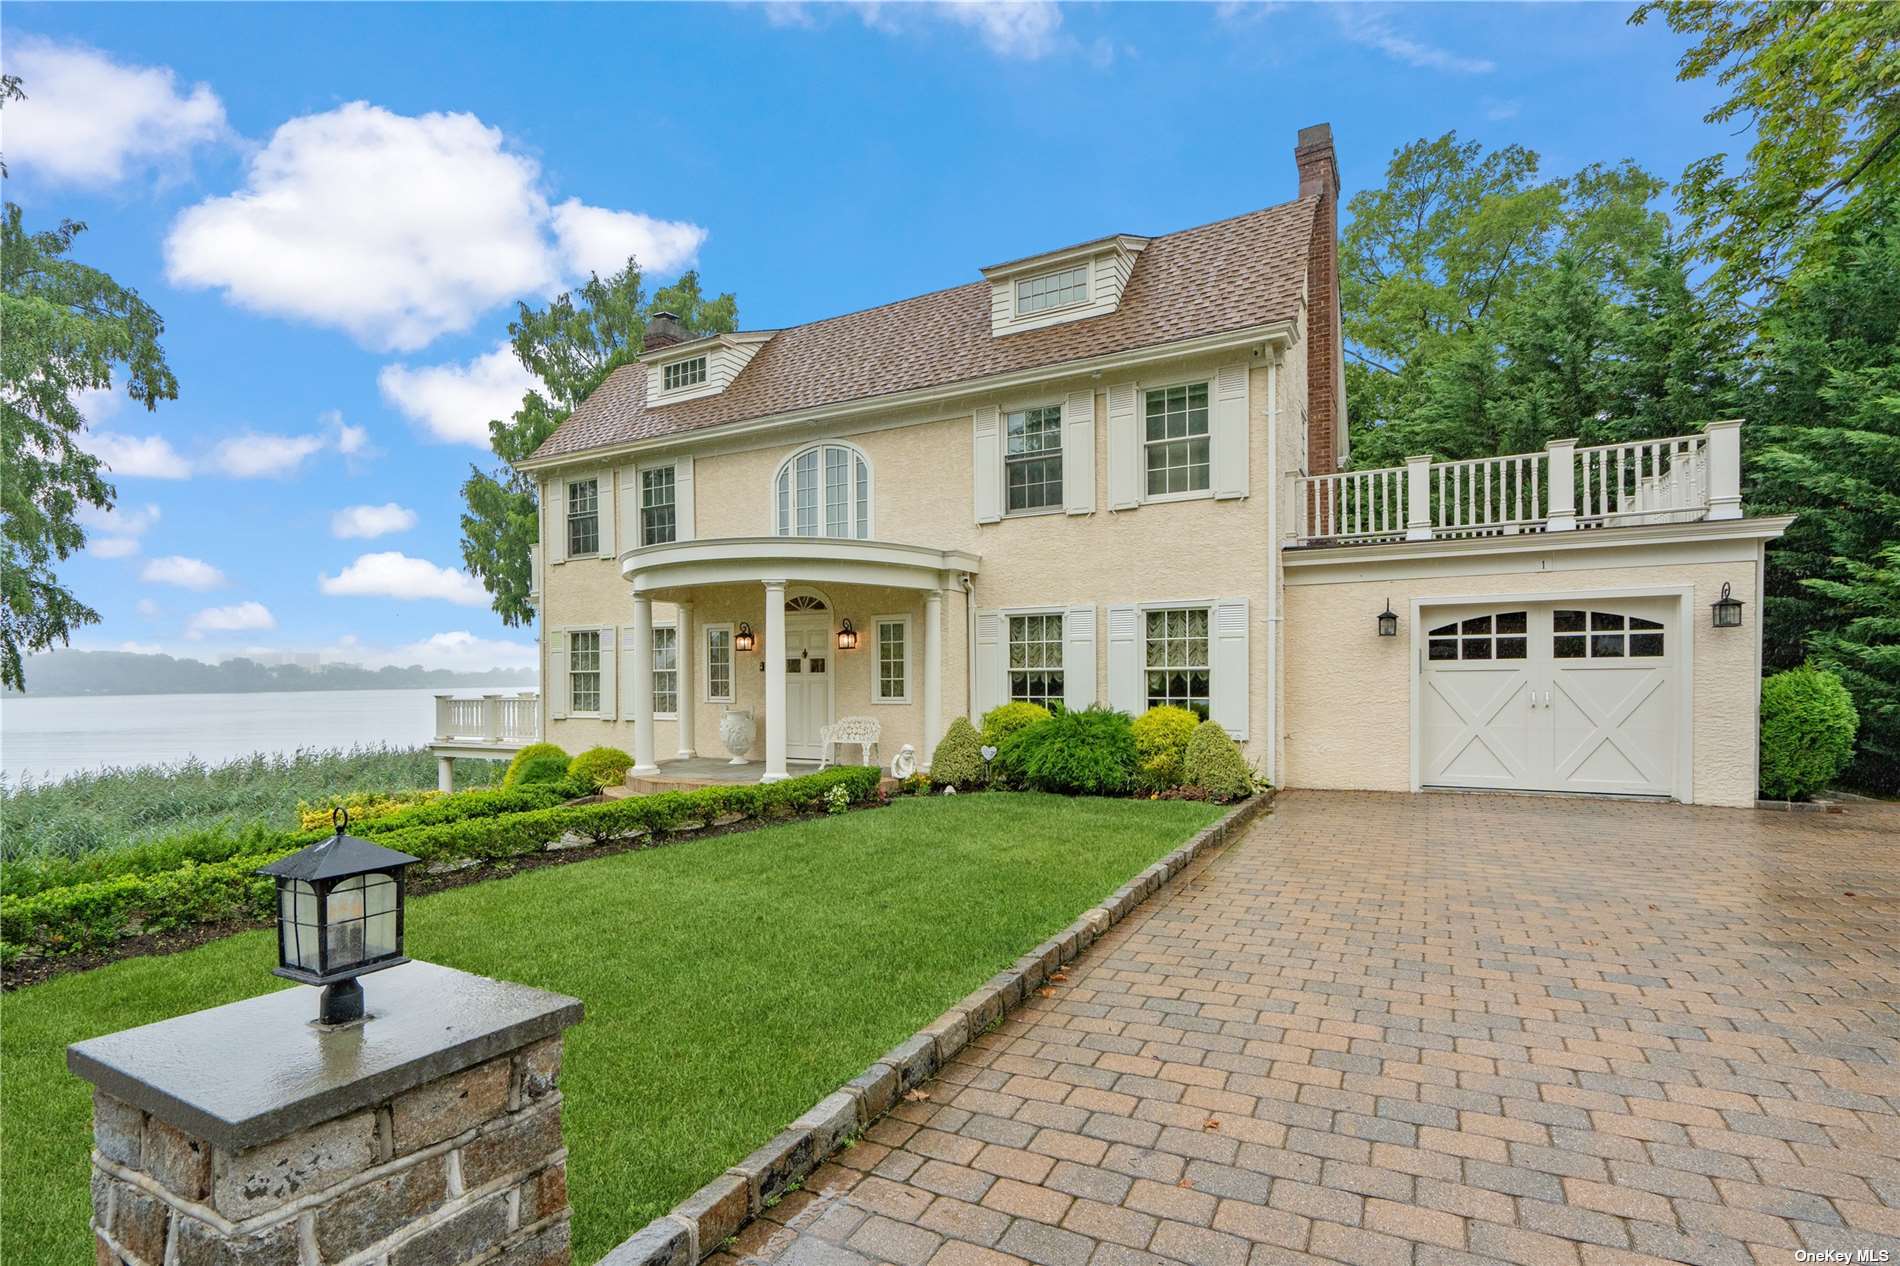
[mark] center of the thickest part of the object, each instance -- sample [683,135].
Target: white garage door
[1562,696]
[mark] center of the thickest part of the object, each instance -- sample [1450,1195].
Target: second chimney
[663,330]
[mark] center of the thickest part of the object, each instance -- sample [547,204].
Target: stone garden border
[702,1223]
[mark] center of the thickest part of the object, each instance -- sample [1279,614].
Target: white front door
[807,685]
[1559,696]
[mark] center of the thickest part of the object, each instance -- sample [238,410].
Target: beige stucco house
[1107,474]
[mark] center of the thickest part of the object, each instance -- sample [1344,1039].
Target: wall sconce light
[743,640]
[1388,621]
[1727,610]
[847,637]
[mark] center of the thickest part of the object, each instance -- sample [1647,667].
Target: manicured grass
[729,982]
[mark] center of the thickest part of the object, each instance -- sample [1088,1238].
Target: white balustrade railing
[488,718]
[1561,489]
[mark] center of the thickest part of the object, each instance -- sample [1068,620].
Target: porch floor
[703,771]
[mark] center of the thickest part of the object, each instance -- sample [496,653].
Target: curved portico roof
[732,560]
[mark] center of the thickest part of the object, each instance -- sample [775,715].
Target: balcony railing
[488,718]
[1561,489]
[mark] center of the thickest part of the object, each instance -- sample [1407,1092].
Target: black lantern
[743,640]
[339,916]
[1388,621]
[847,637]
[1727,610]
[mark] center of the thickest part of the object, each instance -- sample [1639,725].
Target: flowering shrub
[1161,741]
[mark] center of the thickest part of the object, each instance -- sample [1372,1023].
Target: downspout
[969,647]
[1272,770]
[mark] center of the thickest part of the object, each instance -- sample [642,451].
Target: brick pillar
[1325,361]
[430,1133]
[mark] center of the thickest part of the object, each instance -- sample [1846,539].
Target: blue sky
[334,206]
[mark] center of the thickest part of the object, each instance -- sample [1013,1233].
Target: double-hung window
[683,373]
[1178,671]
[666,670]
[893,661]
[1175,444]
[1035,659]
[658,524]
[583,671]
[583,517]
[1050,291]
[1032,458]
[824,490]
[718,663]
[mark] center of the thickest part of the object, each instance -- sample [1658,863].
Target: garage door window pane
[1605,620]
[1512,648]
[1478,624]
[1513,621]
[1567,621]
[1444,648]
[1477,648]
[1567,647]
[1646,645]
[1606,646]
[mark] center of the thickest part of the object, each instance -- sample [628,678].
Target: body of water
[49,738]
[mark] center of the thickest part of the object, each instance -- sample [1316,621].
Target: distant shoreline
[278,688]
[100,674]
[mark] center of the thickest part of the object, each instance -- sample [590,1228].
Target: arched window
[824,490]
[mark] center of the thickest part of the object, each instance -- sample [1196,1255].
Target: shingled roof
[1229,275]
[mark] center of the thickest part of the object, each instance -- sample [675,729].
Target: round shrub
[1215,764]
[601,766]
[1808,725]
[1089,752]
[957,762]
[532,751]
[1161,740]
[540,769]
[1001,722]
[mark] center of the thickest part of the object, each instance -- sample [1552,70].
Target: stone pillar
[445,774]
[774,652]
[933,674]
[641,666]
[683,635]
[245,1134]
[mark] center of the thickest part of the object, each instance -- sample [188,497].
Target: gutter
[1272,769]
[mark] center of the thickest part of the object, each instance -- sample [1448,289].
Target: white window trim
[1086,267]
[1141,439]
[657,626]
[640,474]
[567,670]
[1060,405]
[1205,606]
[910,658]
[732,663]
[1004,613]
[603,487]
[705,373]
[870,491]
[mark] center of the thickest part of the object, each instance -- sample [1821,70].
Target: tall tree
[68,329]
[570,346]
[1820,84]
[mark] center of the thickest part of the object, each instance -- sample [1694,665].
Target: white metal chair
[861,732]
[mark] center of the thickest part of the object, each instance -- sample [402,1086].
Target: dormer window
[682,374]
[1052,290]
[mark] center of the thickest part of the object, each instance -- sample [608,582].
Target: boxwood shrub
[1161,742]
[1215,764]
[600,767]
[533,751]
[1808,723]
[958,760]
[1001,722]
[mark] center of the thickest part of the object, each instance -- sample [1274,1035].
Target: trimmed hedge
[601,767]
[958,760]
[1214,763]
[1808,725]
[1161,740]
[1006,719]
[92,915]
[533,751]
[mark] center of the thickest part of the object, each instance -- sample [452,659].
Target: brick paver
[1432,1030]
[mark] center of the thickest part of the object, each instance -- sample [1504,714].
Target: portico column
[688,687]
[933,674]
[774,652]
[642,669]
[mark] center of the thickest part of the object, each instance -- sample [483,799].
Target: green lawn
[729,982]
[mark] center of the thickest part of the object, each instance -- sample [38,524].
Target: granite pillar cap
[251,1072]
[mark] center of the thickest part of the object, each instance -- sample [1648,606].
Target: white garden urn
[737,729]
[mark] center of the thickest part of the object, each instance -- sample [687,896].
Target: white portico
[804,630]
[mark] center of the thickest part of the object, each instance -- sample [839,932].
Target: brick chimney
[1326,442]
[663,330]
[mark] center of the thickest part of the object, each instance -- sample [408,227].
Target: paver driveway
[1428,1029]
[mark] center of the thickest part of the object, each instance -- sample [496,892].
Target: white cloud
[395,228]
[142,648]
[186,573]
[238,618]
[1498,110]
[1364,27]
[455,402]
[147,608]
[256,456]
[393,574]
[115,533]
[127,456]
[600,240]
[459,650]
[89,120]
[371,521]
[96,404]
[351,441]
[1025,29]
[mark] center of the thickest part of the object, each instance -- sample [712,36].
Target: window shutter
[554,683]
[991,681]
[1126,690]
[554,498]
[986,457]
[683,499]
[538,556]
[1078,658]
[605,500]
[1228,662]
[627,677]
[1078,452]
[629,511]
[1229,426]
[608,699]
[1124,449]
